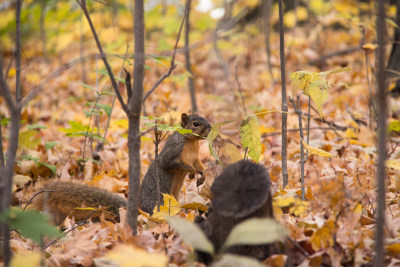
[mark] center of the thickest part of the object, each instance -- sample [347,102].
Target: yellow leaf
[323,237]
[97,178]
[268,130]
[299,208]
[170,208]
[289,19]
[393,249]
[251,137]
[123,255]
[319,93]
[12,72]
[392,163]
[319,6]
[316,151]
[350,134]
[30,259]
[284,201]
[369,47]
[301,80]
[195,206]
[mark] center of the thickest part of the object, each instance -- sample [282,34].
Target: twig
[295,130]
[82,4]
[298,111]
[323,120]
[73,228]
[191,84]
[298,247]
[308,124]
[100,144]
[18,92]
[366,196]
[285,177]
[391,152]
[243,102]
[334,54]
[35,195]
[2,161]
[172,66]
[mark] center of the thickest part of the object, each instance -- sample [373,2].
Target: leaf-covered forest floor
[333,226]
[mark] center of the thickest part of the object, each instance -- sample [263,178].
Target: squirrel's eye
[195,124]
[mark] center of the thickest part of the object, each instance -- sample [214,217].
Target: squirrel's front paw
[192,175]
[201,180]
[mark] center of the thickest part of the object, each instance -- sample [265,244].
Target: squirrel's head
[199,126]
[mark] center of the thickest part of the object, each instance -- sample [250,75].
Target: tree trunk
[135,108]
[382,116]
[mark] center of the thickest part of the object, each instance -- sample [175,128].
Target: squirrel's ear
[185,119]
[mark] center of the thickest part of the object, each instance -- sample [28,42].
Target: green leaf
[51,167]
[394,126]
[89,87]
[5,121]
[29,157]
[36,126]
[106,108]
[230,260]
[210,138]
[75,127]
[88,134]
[107,93]
[91,113]
[30,224]
[50,144]
[29,139]
[191,234]
[104,72]
[250,136]
[256,231]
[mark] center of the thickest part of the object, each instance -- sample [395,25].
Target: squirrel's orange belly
[177,182]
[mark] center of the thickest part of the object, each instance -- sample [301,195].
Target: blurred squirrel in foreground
[179,157]
[241,192]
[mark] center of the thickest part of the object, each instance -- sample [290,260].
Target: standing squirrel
[179,157]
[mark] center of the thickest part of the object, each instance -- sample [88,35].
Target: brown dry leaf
[194,201]
[278,260]
[80,248]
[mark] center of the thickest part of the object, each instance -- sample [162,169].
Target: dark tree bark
[187,58]
[382,116]
[284,97]
[14,107]
[134,111]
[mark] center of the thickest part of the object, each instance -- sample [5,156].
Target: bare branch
[82,4]
[284,100]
